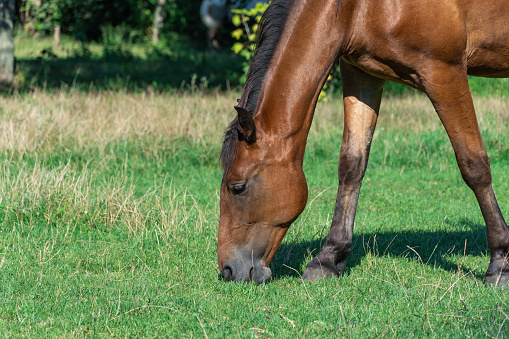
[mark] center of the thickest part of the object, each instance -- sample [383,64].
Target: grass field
[109,216]
[122,66]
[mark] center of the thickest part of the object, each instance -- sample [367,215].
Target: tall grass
[109,214]
[41,121]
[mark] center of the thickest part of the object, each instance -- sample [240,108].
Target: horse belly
[490,63]
[489,57]
[488,38]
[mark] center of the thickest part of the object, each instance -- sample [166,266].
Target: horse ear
[246,124]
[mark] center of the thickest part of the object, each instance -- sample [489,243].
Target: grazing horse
[429,45]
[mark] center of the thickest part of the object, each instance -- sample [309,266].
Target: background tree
[6,43]
[158,20]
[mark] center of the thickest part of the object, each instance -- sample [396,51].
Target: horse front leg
[362,94]
[447,88]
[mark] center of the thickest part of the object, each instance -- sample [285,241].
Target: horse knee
[475,171]
[351,168]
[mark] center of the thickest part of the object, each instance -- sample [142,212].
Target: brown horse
[430,45]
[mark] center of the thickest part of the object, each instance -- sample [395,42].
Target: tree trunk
[158,20]
[56,36]
[6,43]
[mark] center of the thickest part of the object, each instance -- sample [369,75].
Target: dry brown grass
[41,121]
[415,113]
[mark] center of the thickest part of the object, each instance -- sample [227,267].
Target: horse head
[262,192]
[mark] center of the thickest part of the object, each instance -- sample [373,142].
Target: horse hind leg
[447,88]
[362,95]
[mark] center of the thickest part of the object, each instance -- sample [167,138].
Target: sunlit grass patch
[109,211]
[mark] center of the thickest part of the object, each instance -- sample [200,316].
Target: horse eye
[238,188]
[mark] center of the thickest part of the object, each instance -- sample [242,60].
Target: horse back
[397,40]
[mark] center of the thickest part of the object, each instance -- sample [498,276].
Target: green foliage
[246,22]
[85,18]
[117,40]
[46,16]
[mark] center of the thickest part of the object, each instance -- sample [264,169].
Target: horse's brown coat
[430,45]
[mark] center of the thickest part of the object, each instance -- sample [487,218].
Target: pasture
[109,215]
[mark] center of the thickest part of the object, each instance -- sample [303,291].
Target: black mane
[271,28]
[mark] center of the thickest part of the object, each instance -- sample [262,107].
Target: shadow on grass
[433,248]
[192,68]
[193,71]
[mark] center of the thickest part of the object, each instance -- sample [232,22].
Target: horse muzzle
[245,270]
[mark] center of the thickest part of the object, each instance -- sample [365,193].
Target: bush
[84,19]
[246,23]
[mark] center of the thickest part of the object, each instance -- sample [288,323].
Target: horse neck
[306,52]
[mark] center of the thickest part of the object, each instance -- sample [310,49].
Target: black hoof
[316,271]
[498,280]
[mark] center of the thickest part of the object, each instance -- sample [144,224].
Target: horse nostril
[251,271]
[227,273]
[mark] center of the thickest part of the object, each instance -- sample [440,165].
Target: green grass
[109,215]
[173,65]
[478,86]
